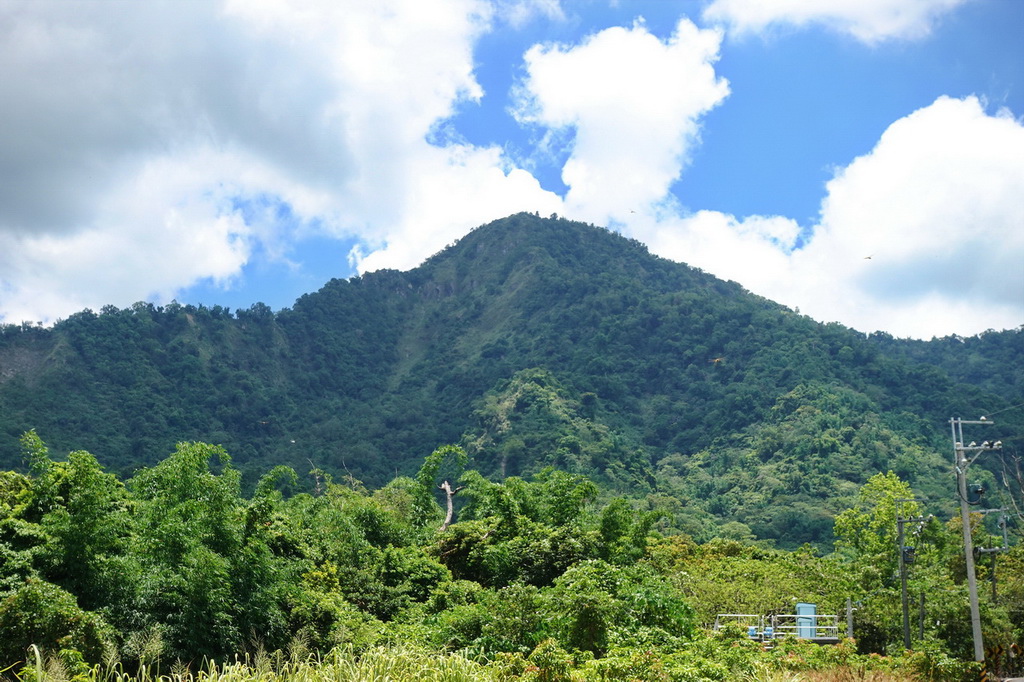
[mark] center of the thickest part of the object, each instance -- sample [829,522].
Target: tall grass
[392,664]
[843,674]
[397,664]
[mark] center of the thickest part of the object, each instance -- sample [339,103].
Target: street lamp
[960,464]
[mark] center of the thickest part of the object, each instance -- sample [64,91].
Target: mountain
[534,342]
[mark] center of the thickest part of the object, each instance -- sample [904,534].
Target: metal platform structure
[814,627]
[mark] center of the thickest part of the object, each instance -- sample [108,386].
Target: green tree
[595,605]
[89,532]
[188,529]
[624,531]
[867,539]
[20,539]
[868,530]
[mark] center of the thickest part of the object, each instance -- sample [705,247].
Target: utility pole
[960,464]
[906,556]
[849,617]
[1006,545]
[994,551]
[920,619]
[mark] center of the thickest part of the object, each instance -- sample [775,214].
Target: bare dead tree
[450,494]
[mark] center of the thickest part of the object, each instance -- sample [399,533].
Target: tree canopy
[531,343]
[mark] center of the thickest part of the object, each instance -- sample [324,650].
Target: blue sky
[860,161]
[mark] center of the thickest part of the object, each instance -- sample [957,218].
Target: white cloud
[937,207]
[173,223]
[921,237]
[752,251]
[518,13]
[462,188]
[634,103]
[869,21]
[134,144]
[131,133]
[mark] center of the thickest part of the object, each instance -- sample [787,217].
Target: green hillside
[533,342]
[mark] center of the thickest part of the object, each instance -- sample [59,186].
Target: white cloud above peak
[922,236]
[869,21]
[634,103]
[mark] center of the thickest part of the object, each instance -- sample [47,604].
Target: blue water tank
[806,620]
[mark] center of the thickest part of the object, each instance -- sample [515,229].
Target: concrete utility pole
[960,464]
[906,556]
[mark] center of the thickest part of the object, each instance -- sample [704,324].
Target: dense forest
[532,343]
[533,579]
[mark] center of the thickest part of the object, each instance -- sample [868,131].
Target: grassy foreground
[709,659]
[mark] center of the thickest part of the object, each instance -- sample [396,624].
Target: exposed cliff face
[23,362]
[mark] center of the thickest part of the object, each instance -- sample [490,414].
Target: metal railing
[779,626]
[805,626]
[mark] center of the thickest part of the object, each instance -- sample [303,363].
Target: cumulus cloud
[925,232]
[151,147]
[869,21]
[132,135]
[461,189]
[634,103]
[752,250]
[923,236]
[174,222]
[125,130]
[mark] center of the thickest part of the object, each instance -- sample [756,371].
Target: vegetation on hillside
[533,343]
[637,447]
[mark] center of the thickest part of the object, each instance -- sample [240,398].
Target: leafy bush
[42,614]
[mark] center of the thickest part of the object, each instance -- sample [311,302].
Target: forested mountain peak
[492,252]
[535,342]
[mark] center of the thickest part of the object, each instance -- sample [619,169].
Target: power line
[1011,407]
